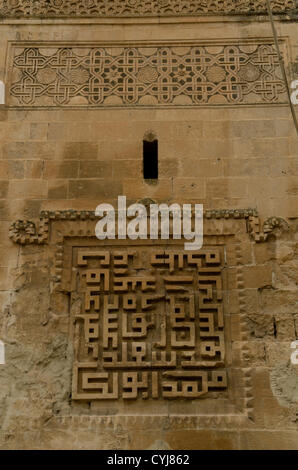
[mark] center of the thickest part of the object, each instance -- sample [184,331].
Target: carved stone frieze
[196,74]
[25,232]
[138,8]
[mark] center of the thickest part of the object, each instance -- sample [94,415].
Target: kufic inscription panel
[147,323]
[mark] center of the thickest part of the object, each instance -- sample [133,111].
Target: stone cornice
[138,8]
[25,232]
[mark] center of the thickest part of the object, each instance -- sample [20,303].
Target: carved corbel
[24,232]
[261,233]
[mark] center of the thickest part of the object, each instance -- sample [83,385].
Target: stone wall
[62,153]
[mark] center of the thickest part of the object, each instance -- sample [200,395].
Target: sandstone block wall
[76,155]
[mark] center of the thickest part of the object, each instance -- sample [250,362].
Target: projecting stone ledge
[128,8]
[25,232]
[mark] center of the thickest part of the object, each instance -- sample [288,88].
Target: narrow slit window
[150,159]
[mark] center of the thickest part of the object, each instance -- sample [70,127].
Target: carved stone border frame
[61,229]
[11,45]
[158,8]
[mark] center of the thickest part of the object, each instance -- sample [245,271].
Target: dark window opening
[150,159]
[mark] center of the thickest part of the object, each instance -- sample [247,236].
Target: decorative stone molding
[25,232]
[230,213]
[141,422]
[138,8]
[145,75]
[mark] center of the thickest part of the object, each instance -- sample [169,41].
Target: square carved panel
[154,330]
[148,323]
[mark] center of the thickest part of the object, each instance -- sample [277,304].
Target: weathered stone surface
[147,8]
[71,137]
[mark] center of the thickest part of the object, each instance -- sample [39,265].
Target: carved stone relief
[122,8]
[151,322]
[145,75]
